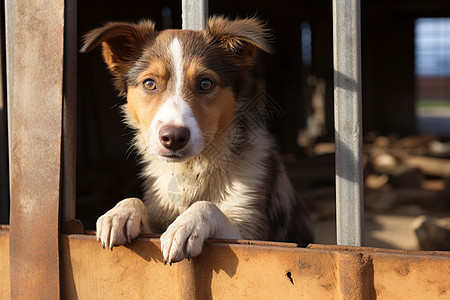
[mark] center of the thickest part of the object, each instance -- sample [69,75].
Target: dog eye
[206,84]
[149,84]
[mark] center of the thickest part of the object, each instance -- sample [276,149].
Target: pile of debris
[412,170]
[403,176]
[411,176]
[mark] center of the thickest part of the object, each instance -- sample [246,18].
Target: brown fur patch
[142,104]
[213,109]
[141,108]
[215,115]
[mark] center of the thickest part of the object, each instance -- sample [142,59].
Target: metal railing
[195,14]
[348,122]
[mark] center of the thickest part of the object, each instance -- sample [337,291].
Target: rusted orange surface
[5,290]
[36,130]
[244,271]
[136,272]
[241,271]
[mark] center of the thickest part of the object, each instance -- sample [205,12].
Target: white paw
[122,223]
[184,238]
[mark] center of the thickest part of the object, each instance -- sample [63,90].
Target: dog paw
[184,238]
[122,223]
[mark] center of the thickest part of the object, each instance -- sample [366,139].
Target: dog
[210,168]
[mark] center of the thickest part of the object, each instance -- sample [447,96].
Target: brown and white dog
[210,169]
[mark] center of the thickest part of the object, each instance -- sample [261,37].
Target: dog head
[181,86]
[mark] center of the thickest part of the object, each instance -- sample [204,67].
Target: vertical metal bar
[10,20]
[195,14]
[36,149]
[69,112]
[4,182]
[348,121]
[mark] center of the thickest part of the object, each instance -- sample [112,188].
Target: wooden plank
[429,165]
[36,149]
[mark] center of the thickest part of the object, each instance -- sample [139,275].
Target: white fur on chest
[234,183]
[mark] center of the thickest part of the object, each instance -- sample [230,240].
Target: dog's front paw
[184,238]
[122,223]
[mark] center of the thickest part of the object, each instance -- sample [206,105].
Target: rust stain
[402,270]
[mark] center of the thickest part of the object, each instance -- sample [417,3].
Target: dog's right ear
[242,37]
[122,44]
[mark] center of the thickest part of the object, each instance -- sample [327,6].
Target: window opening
[432,70]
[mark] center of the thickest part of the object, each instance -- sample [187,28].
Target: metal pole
[69,112]
[36,149]
[348,121]
[10,25]
[4,162]
[195,14]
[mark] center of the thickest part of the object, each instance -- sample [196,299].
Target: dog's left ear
[242,37]
[122,44]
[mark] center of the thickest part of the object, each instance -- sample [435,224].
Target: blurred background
[406,113]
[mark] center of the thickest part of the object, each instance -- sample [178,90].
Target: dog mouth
[173,157]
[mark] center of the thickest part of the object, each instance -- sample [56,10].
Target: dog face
[181,86]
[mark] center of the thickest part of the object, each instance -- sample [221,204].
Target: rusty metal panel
[250,270]
[392,274]
[135,272]
[36,149]
[265,272]
[5,289]
[406,276]
[244,271]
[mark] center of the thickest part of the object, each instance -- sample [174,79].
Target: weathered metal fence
[43,260]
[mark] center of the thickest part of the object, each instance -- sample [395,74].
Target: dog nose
[174,138]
